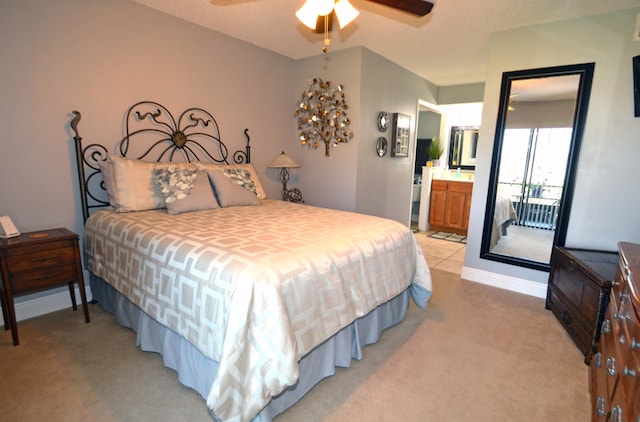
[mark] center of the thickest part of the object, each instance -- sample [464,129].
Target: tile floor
[442,254]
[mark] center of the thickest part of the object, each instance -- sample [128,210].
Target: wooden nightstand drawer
[60,253]
[42,279]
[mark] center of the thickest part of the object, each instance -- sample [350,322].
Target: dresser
[578,292]
[38,261]
[450,205]
[614,372]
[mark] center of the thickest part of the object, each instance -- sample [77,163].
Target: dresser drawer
[43,278]
[581,335]
[580,283]
[26,259]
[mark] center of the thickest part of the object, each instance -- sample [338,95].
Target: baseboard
[501,281]
[32,308]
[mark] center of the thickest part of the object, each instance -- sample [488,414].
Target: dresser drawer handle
[606,327]
[635,344]
[600,406]
[611,366]
[621,316]
[628,372]
[597,360]
[41,260]
[616,414]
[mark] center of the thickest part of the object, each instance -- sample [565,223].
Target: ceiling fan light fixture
[345,12]
[311,9]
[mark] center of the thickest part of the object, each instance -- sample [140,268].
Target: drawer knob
[606,327]
[634,343]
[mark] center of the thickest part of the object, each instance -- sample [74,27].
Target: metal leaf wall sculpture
[322,117]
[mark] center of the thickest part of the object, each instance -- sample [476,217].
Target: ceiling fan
[325,21]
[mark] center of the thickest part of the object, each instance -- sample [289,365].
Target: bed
[503,216]
[251,300]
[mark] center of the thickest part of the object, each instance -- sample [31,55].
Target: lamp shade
[311,9]
[345,12]
[283,161]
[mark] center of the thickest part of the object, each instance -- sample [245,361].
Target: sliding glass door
[532,173]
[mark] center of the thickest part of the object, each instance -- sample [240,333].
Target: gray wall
[100,57]
[606,200]
[384,184]
[329,181]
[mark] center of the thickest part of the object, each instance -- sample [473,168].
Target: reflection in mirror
[463,147]
[540,124]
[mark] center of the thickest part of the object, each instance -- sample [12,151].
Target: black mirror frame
[585,70]
[455,129]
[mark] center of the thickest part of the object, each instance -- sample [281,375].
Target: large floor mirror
[537,142]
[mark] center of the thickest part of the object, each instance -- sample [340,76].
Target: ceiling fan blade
[416,7]
[320,23]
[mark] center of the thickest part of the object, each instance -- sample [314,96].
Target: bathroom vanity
[450,205]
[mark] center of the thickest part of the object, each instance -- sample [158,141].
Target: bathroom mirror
[541,119]
[463,147]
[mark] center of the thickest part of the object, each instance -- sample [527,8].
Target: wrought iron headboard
[195,136]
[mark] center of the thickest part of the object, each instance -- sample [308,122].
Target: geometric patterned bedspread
[254,288]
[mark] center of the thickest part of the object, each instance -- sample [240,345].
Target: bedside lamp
[284,162]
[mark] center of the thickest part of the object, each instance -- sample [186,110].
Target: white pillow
[134,187]
[106,167]
[257,187]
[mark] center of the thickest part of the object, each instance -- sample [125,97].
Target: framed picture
[400,135]
[636,86]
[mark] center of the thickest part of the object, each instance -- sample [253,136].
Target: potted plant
[435,150]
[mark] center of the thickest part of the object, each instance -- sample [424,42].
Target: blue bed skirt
[197,371]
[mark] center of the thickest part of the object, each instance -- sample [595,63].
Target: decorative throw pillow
[252,174]
[185,190]
[232,187]
[134,187]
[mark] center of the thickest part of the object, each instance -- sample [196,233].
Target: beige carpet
[477,354]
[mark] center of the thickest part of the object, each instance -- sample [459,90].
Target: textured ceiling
[447,47]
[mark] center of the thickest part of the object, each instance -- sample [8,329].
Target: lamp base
[292,195]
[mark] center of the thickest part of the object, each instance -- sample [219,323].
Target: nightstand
[38,261]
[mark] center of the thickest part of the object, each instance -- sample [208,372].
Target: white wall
[606,200]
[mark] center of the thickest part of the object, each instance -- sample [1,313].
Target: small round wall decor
[383,121]
[381,146]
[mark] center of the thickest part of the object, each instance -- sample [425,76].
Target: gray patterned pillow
[233,187]
[185,190]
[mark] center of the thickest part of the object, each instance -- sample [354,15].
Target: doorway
[427,128]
